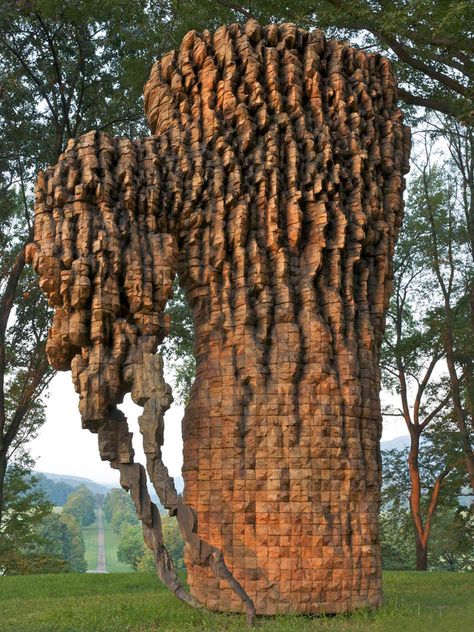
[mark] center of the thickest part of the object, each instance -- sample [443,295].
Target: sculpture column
[292,152]
[272,185]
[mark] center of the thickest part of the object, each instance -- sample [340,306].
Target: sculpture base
[334,596]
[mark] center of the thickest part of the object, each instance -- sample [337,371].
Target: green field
[135,602]
[111,544]
[90,540]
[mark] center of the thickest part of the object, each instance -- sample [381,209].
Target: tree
[24,372]
[131,547]
[451,536]
[133,551]
[178,347]
[25,507]
[62,538]
[424,338]
[173,541]
[442,240]
[119,510]
[414,503]
[409,360]
[57,492]
[452,540]
[80,505]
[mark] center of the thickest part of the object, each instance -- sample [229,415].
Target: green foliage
[396,537]
[25,507]
[81,506]
[173,541]
[146,563]
[441,207]
[33,539]
[63,539]
[23,368]
[119,510]
[35,564]
[451,540]
[415,317]
[432,460]
[451,543]
[65,68]
[178,347]
[75,67]
[427,322]
[57,492]
[132,550]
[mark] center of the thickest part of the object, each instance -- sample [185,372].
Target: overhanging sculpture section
[272,185]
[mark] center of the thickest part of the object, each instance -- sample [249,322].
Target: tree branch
[443,403]
[6,305]
[26,400]
[236,7]
[433,504]
[428,102]
[422,386]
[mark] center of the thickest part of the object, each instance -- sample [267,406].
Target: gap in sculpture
[272,186]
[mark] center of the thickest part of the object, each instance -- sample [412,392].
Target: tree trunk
[415,495]
[457,403]
[421,555]
[3,471]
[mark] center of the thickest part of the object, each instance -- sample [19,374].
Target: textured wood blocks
[272,185]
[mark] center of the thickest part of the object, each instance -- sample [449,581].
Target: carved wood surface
[273,186]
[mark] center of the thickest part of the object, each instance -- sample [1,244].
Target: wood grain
[272,185]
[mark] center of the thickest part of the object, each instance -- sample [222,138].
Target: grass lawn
[90,540]
[135,602]
[111,544]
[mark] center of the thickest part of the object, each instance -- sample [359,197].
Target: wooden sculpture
[272,185]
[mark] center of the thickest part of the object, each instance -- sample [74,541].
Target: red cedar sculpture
[272,185]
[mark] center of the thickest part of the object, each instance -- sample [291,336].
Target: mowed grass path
[111,544]
[112,540]
[135,602]
[90,541]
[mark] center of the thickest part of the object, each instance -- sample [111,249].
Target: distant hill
[76,481]
[57,487]
[398,443]
[57,492]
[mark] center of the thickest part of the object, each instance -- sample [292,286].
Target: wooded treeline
[37,536]
[68,67]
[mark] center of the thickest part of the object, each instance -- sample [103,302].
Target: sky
[63,447]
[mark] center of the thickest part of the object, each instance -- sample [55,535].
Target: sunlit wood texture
[273,186]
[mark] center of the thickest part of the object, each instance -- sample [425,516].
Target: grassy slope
[418,602]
